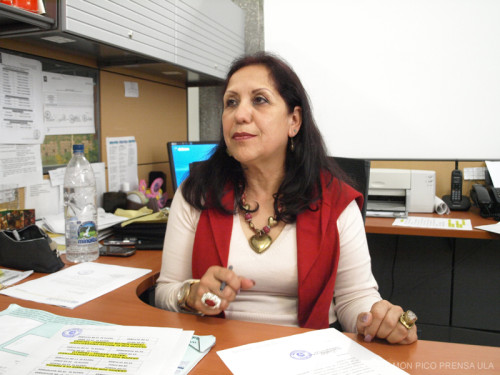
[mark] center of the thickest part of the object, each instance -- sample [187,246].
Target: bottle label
[87,233]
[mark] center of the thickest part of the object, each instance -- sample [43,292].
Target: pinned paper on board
[68,104]
[21,110]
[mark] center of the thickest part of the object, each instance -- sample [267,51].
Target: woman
[265,230]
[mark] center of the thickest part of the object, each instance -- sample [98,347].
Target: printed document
[68,104]
[73,286]
[122,163]
[38,342]
[92,349]
[325,351]
[44,198]
[21,110]
[20,166]
[24,331]
[432,222]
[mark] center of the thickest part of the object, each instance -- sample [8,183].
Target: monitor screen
[181,154]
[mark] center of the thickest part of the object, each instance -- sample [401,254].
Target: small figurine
[154,191]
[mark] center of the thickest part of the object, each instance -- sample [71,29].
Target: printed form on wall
[21,113]
[68,104]
[20,165]
[122,162]
[21,121]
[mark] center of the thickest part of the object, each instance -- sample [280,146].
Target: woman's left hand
[383,322]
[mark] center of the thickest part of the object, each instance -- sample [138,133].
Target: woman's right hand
[211,282]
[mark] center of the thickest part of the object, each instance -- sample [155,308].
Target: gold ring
[408,319]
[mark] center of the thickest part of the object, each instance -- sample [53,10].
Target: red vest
[317,249]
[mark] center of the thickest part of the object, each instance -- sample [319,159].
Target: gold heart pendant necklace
[261,240]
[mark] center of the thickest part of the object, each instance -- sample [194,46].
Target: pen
[223,284]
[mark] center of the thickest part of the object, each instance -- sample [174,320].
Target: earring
[292,145]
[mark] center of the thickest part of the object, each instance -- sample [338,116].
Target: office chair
[357,174]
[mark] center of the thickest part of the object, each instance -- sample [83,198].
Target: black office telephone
[456,201]
[487,199]
[456,185]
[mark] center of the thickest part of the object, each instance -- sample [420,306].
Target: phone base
[462,205]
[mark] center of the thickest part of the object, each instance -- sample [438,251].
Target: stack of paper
[55,223]
[37,341]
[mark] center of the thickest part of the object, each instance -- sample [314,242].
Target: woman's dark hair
[301,186]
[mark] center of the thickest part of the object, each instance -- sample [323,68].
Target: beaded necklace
[261,240]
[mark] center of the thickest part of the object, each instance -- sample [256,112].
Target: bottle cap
[78,148]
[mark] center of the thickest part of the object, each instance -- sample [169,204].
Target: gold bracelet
[183,295]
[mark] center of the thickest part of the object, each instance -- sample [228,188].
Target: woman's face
[256,123]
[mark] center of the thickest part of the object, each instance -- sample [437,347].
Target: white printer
[396,192]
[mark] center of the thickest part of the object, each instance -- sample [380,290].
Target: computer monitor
[182,154]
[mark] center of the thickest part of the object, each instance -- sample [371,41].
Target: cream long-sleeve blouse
[273,299]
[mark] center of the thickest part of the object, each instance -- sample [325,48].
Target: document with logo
[325,351]
[26,331]
[75,285]
[89,349]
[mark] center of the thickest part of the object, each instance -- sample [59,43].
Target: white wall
[396,79]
